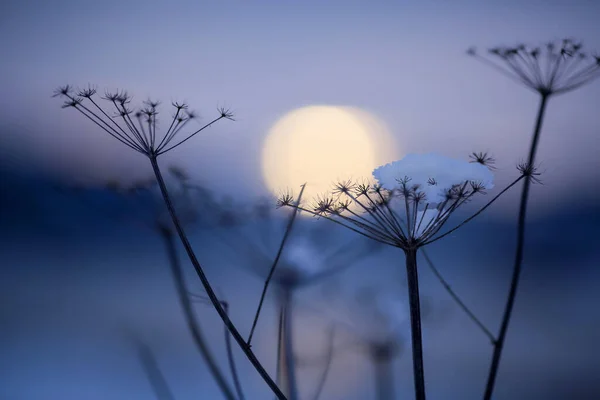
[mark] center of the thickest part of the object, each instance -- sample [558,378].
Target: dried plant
[457,298]
[383,326]
[407,208]
[370,316]
[142,205]
[200,298]
[293,261]
[153,372]
[138,130]
[192,320]
[548,70]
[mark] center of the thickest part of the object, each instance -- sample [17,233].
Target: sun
[321,145]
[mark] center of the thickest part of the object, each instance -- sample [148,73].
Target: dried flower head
[137,129]
[87,93]
[553,68]
[226,113]
[411,202]
[483,158]
[285,199]
[418,171]
[179,106]
[529,171]
[73,102]
[63,91]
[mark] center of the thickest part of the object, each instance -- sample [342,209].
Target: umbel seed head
[411,201]
[135,129]
[554,68]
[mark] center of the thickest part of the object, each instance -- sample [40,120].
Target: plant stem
[457,298]
[287,365]
[518,254]
[232,367]
[328,361]
[415,323]
[384,381]
[155,376]
[288,230]
[208,288]
[190,317]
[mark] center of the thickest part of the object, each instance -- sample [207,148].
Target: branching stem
[208,288]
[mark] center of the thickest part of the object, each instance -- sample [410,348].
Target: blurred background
[73,278]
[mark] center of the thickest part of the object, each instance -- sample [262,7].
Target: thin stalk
[288,230]
[190,316]
[328,361]
[279,349]
[457,298]
[384,378]
[159,383]
[231,359]
[415,323]
[489,388]
[335,221]
[286,360]
[233,368]
[208,288]
[473,216]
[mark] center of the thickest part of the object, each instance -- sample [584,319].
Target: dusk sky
[72,278]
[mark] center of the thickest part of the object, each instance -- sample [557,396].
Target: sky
[71,277]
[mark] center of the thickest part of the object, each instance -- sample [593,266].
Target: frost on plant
[434,186]
[411,200]
[433,174]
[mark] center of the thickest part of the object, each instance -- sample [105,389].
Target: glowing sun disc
[321,145]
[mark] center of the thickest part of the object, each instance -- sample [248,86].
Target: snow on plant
[412,200]
[433,173]
[429,187]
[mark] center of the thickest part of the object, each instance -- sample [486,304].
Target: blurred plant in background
[141,204]
[293,254]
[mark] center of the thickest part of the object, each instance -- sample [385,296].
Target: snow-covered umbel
[434,174]
[411,201]
[430,187]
